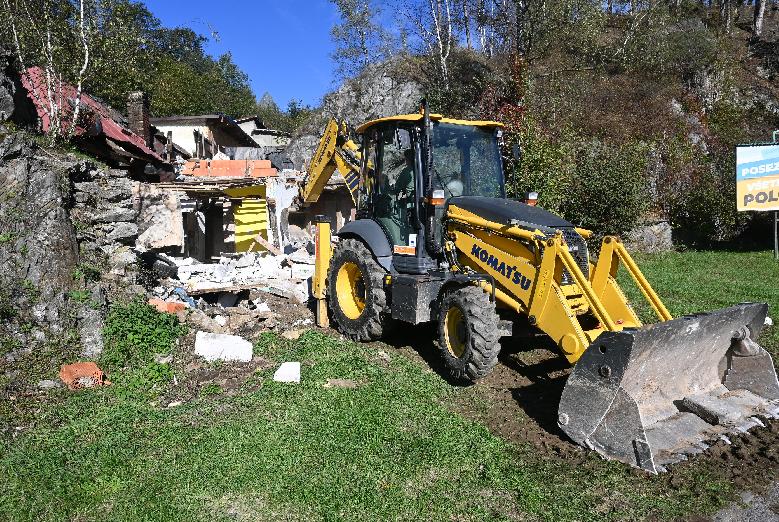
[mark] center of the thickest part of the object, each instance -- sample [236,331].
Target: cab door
[389,189]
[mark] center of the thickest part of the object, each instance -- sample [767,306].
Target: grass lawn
[389,449]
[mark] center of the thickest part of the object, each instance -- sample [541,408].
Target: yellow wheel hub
[455,331]
[350,289]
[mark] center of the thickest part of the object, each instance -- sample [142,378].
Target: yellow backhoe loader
[436,240]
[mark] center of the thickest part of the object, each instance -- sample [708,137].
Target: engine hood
[503,211]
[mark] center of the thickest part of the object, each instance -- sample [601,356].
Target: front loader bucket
[651,396]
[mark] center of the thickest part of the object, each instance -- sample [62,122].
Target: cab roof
[434,117]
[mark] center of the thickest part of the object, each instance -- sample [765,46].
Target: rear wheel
[468,335]
[356,292]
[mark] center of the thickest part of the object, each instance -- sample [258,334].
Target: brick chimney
[138,115]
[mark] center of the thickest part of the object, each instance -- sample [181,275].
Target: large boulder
[38,246]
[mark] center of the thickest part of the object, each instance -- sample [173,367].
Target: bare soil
[518,402]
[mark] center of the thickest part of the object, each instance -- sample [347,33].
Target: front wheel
[468,336]
[356,292]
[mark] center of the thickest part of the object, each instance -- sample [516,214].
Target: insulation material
[250,216]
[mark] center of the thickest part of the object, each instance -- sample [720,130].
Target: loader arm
[334,152]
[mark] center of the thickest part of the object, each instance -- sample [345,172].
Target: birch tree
[44,41]
[757,21]
[359,38]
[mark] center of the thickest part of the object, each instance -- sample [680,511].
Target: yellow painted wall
[251,216]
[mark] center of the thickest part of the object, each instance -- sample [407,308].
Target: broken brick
[166,306]
[82,375]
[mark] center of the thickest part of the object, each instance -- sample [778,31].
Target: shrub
[135,332]
[609,193]
[595,185]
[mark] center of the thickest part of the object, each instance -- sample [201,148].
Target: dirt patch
[518,402]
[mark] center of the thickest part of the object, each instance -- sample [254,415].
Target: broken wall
[160,221]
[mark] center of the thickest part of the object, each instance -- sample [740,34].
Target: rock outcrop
[38,246]
[374,94]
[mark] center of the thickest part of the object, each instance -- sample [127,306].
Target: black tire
[374,320]
[473,352]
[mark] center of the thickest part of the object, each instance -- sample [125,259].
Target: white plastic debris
[288,372]
[220,320]
[213,347]
[769,321]
[261,307]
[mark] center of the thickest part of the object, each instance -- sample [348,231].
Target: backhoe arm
[335,152]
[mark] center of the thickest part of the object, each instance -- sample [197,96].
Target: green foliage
[360,39]
[609,193]
[544,167]
[144,382]
[389,449]
[9,344]
[135,332]
[598,186]
[705,212]
[210,389]
[6,237]
[130,50]
[30,290]
[86,272]
[80,296]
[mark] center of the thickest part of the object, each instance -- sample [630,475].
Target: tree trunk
[726,13]
[467,23]
[757,23]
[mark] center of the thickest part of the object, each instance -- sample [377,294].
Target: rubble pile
[287,276]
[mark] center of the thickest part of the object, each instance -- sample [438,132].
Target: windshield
[466,161]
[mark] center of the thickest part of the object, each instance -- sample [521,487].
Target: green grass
[690,282]
[389,449]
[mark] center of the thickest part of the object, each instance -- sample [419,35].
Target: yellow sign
[757,177]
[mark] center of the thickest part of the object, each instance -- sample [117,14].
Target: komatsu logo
[499,266]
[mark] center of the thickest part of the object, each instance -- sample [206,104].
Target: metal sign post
[776,235]
[776,215]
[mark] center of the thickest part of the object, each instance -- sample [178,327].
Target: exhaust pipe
[651,396]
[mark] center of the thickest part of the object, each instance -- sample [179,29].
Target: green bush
[135,332]
[609,193]
[704,212]
[601,187]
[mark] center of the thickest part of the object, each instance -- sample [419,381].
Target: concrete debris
[288,372]
[201,321]
[90,330]
[163,359]
[173,404]
[49,384]
[82,375]
[214,346]
[261,307]
[340,383]
[292,335]
[287,276]
[303,322]
[220,320]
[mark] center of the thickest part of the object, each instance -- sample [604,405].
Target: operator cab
[401,183]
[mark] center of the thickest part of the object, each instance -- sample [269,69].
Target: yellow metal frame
[332,154]
[527,268]
[418,116]
[323,254]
